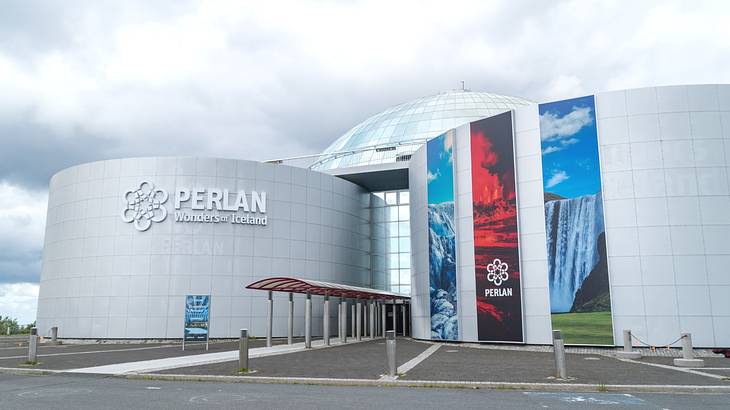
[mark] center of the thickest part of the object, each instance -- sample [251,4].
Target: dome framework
[398,131]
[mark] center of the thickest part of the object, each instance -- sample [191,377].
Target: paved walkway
[610,351]
[146,366]
[421,361]
[72,356]
[351,361]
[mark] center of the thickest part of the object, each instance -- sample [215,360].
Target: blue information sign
[197,318]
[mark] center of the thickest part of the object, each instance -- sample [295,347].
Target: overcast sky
[89,80]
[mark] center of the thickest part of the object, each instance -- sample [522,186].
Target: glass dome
[398,131]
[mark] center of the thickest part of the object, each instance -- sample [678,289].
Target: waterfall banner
[580,300]
[496,250]
[442,237]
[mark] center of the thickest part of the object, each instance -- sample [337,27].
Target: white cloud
[553,127]
[431,176]
[449,146]
[550,149]
[84,80]
[22,226]
[557,178]
[570,141]
[19,301]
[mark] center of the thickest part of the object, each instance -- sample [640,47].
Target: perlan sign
[146,204]
[221,200]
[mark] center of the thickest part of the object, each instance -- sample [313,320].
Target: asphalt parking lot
[367,360]
[72,356]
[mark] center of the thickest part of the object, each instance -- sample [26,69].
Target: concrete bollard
[559,348]
[33,346]
[688,359]
[628,352]
[243,350]
[390,351]
[54,334]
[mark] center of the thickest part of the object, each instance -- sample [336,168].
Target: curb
[547,387]
[21,371]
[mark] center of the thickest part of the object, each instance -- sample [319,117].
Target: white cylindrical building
[106,278]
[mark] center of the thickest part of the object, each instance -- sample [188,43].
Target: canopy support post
[395,317]
[403,313]
[290,320]
[371,309]
[269,318]
[339,321]
[308,322]
[352,323]
[359,321]
[326,320]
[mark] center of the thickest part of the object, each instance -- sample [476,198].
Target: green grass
[584,328]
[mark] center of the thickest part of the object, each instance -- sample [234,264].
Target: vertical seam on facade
[666,204]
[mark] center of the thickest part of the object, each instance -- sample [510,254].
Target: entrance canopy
[315,287]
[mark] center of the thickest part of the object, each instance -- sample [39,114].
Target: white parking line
[147,366]
[407,366]
[679,369]
[93,352]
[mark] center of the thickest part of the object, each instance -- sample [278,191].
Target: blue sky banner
[197,318]
[580,300]
[442,238]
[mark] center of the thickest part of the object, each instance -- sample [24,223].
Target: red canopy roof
[315,287]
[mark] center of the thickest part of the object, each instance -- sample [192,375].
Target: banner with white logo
[496,240]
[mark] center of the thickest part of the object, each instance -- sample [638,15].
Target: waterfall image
[442,238]
[442,271]
[578,279]
[573,227]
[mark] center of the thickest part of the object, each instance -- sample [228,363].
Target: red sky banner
[496,250]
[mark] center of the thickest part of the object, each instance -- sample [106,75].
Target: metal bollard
[628,352]
[33,346]
[390,351]
[559,348]
[688,359]
[243,351]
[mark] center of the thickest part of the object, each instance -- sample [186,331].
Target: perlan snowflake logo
[497,272]
[144,206]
